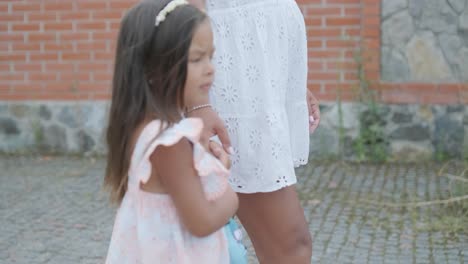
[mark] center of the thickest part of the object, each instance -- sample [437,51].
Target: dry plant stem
[455,177]
[429,203]
[416,204]
[441,171]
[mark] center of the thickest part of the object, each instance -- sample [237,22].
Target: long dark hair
[149,76]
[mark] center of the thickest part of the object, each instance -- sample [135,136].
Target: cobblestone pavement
[53,210]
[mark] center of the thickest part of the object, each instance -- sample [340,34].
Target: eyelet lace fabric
[147,226]
[260,89]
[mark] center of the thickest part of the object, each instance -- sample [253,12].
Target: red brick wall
[333,30]
[63,50]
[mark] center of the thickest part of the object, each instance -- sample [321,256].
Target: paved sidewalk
[53,210]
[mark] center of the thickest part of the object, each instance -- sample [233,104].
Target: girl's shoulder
[190,128]
[157,133]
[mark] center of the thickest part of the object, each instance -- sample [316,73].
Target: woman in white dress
[260,93]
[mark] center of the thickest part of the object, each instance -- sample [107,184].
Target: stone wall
[51,127]
[424,40]
[411,132]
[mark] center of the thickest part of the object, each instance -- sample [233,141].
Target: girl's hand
[212,125]
[218,151]
[314,111]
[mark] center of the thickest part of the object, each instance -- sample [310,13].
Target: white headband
[167,9]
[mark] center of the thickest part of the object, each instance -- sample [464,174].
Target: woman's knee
[294,248]
[301,243]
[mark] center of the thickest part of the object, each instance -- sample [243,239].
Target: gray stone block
[456,53]
[3,108]
[8,127]
[426,60]
[69,117]
[437,16]
[457,5]
[85,142]
[44,112]
[455,108]
[397,30]
[413,132]
[394,66]
[392,6]
[463,20]
[402,117]
[55,139]
[448,137]
[20,110]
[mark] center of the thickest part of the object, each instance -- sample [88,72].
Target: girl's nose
[210,68]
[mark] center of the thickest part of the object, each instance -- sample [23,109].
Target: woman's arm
[175,169]
[218,151]
[212,125]
[198,3]
[314,111]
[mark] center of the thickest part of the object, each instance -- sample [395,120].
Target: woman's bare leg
[276,226]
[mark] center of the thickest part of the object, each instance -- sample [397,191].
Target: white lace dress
[260,89]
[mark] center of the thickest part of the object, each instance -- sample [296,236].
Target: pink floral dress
[147,228]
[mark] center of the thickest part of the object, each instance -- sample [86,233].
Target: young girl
[173,195]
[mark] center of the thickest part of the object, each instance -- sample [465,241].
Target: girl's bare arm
[174,166]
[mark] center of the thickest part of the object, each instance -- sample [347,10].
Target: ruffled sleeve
[213,174]
[150,139]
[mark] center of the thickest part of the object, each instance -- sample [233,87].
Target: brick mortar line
[429,212]
[388,231]
[325,174]
[403,215]
[440,196]
[419,212]
[343,205]
[306,173]
[406,195]
[400,222]
[324,198]
[364,217]
[353,208]
[334,197]
[372,215]
[380,209]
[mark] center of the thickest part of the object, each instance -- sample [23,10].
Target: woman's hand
[218,151]
[314,111]
[212,125]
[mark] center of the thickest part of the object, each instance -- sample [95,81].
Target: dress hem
[269,189]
